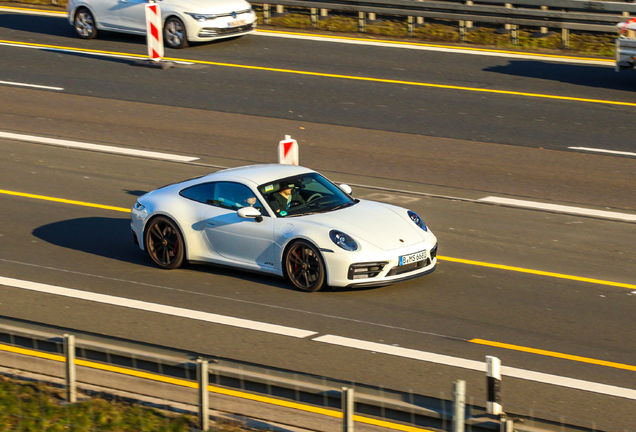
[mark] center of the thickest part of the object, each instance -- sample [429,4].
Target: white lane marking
[96,147]
[329,339]
[30,85]
[559,208]
[158,308]
[603,151]
[478,366]
[423,47]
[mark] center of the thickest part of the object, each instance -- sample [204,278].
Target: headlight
[139,206]
[343,240]
[417,220]
[201,17]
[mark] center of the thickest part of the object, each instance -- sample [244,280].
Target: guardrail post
[314,17]
[565,38]
[514,34]
[459,405]
[347,409]
[361,22]
[409,26]
[544,30]
[324,12]
[280,9]
[69,354]
[469,24]
[509,6]
[266,14]
[204,401]
[462,31]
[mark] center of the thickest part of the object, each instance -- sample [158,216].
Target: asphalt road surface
[568,285]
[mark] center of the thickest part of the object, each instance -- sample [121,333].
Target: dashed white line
[595,150]
[96,147]
[478,366]
[31,85]
[158,308]
[559,208]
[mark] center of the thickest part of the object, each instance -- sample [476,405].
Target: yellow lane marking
[65,201]
[439,257]
[537,272]
[34,10]
[554,354]
[213,389]
[346,77]
[459,48]
[86,50]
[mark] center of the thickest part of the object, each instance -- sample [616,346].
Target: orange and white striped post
[153,30]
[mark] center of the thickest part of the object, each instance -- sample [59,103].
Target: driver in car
[287,196]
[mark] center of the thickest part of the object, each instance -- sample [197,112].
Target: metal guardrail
[591,16]
[403,410]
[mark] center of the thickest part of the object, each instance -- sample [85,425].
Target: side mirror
[250,213]
[346,189]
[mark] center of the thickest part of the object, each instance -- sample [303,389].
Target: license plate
[237,23]
[411,258]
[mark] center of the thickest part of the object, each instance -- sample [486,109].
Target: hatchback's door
[132,15]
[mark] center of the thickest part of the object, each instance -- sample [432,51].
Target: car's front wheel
[164,243]
[84,24]
[174,33]
[304,267]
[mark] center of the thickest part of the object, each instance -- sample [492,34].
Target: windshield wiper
[341,206]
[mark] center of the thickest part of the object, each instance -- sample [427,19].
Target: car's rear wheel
[84,24]
[174,33]
[304,267]
[164,243]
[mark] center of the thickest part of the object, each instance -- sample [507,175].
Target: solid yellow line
[213,389]
[34,10]
[437,46]
[65,201]
[554,354]
[350,77]
[537,272]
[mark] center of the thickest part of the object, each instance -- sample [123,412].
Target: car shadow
[111,238]
[583,75]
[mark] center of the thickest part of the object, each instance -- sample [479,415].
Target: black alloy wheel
[304,267]
[84,24]
[164,243]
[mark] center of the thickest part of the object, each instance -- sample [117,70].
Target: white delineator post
[493,384]
[288,151]
[153,30]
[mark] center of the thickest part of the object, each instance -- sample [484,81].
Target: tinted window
[231,196]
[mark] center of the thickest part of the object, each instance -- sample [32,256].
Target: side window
[203,193]
[233,196]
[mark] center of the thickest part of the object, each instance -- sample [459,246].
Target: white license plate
[236,23]
[411,258]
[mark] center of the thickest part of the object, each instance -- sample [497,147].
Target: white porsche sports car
[287,221]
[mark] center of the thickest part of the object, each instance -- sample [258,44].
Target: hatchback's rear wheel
[84,24]
[174,33]
[164,243]
[304,267]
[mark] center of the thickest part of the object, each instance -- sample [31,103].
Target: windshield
[304,194]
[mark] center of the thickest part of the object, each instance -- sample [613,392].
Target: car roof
[258,174]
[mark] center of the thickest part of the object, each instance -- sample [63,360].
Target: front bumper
[219,28]
[379,268]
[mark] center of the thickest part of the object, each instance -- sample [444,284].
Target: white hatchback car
[183,20]
[287,221]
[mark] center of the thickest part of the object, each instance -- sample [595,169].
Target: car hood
[211,6]
[383,226]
